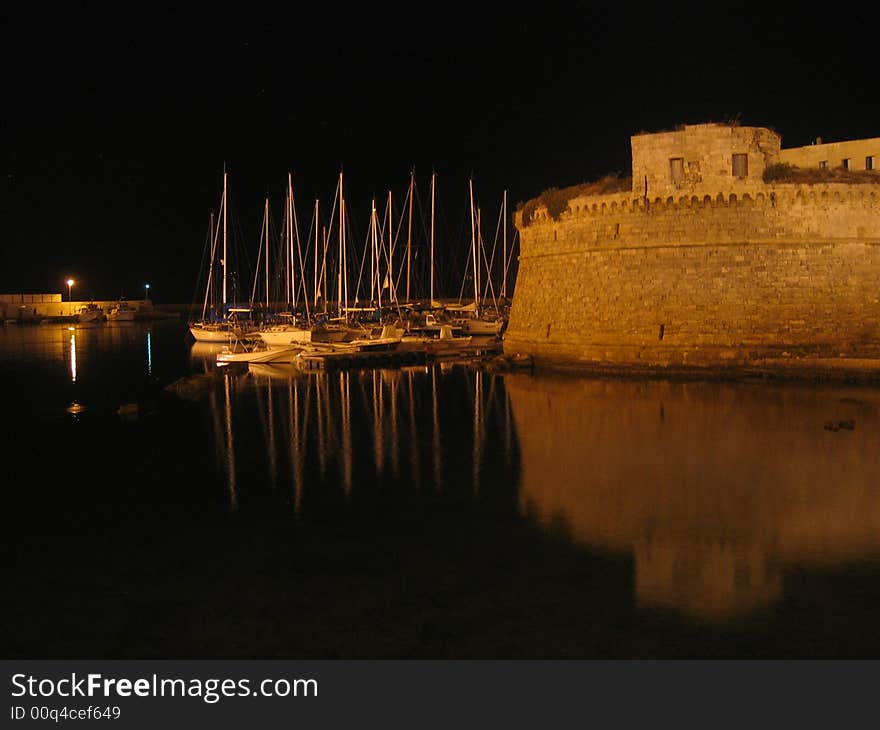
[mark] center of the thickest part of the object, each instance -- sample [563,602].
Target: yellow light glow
[70,282]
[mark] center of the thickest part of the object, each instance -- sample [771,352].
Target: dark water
[425,512]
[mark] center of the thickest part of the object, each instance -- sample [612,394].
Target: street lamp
[146,292]
[70,283]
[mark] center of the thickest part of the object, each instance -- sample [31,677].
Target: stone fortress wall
[702,263]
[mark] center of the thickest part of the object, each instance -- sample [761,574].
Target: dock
[346,360]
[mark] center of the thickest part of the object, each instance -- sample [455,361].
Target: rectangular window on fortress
[676,169]
[740,165]
[869,162]
[823,165]
[845,163]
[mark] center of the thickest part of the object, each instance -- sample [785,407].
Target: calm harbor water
[432,511]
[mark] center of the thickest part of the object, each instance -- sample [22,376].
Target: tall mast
[376,255]
[286,248]
[479,251]
[409,232]
[324,267]
[267,251]
[433,174]
[299,255]
[372,251]
[290,240]
[213,244]
[315,263]
[504,255]
[389,253]
[339,255]
[474,247]
[225,206]
[344,271]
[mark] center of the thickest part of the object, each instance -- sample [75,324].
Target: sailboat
[219,323]
[289,333]
[472,317]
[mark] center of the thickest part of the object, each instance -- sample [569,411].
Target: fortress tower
[701,263]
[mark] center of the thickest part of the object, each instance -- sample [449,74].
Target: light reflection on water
[73,357]
[352,428]
[716,492]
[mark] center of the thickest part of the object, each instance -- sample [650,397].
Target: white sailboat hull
[261,356]
[284,338]
[211,333]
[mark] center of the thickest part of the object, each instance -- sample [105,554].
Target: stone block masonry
[702,277]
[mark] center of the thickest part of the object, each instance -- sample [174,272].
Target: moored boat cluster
[380,322]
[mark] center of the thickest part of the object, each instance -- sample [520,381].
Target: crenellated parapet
[716,273]
[775,211]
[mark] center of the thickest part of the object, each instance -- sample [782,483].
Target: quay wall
[706,278]
[27,307]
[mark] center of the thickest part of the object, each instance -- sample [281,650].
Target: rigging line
[495,245]
[482,249]
[361,272]
[210,245]
[303,261]
[388,250]
[213,254]
[302,271]
[396,238]
[323,274]
[464,242]
[389,274]
[259,258]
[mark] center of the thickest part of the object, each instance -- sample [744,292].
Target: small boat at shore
[122,311]
[257,352]
[91,313]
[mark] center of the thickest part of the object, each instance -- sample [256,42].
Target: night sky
[116,125]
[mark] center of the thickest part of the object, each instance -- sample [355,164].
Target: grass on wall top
[556,199]
[785,173]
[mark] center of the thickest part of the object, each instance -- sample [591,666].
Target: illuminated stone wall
[712,274]
[834,153]
[706,154]
[36,306]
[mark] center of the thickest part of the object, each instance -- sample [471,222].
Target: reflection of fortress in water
[716,490]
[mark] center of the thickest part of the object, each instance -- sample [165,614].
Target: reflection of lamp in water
[72,357]
[149,354]
[70,283]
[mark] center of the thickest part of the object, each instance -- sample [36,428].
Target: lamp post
[70,283]
[146,293]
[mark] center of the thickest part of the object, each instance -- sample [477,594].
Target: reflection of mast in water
[438,473]
[478,427]
[395,441]
[332,443]
[378,445]
[273,454]
[320,408]
[149,354]
[73,356]
[413,438]
[507,426]
[295,453]
[230,447]
[269,430]
[345,403]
